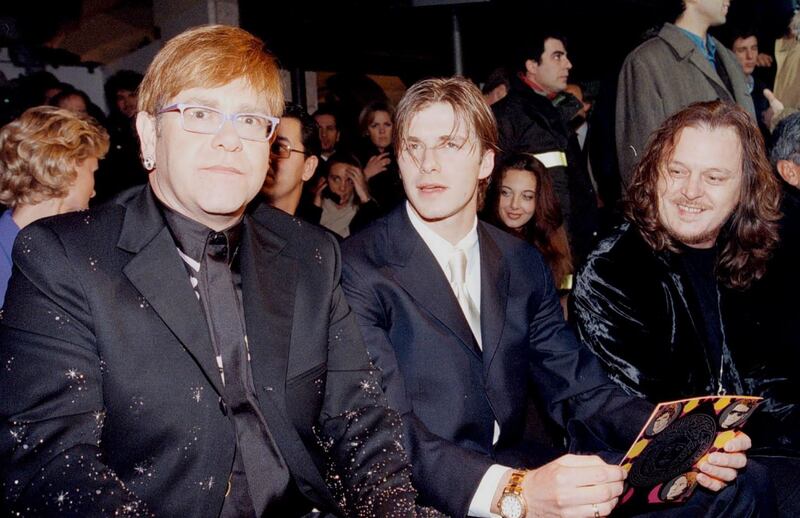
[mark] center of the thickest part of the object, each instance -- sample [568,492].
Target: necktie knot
[458,267]
[217,246]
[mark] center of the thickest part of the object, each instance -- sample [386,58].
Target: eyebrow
[706,170]
[211,103]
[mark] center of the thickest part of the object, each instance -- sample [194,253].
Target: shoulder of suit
[511,246]
[298,233]
[624,250]
[369,241]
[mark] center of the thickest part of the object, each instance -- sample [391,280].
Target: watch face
[511,506]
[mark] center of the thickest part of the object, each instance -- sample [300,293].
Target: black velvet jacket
[637,311]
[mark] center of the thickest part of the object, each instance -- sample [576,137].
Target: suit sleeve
[610,321]
[51,395]
[446,474]
[370,474]
[597,414]
[639,112]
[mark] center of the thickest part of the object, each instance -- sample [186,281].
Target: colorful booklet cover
[679,436]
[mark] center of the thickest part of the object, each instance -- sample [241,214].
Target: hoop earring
[149,163]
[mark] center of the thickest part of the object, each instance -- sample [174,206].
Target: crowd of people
[443,315]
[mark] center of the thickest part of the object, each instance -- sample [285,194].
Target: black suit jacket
[110,394]
[448,393]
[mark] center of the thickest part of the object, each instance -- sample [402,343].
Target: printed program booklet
[679,436]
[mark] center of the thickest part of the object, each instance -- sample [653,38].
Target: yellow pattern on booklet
[662,463]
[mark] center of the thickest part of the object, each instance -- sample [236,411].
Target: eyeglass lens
[248,125]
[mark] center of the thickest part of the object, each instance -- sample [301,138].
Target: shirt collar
[191,237]
[441,248]
[536,87]
[707,47]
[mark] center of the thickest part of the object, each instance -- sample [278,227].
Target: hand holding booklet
[663,462]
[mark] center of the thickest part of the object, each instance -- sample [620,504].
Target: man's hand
[572,486]
[722,467]
[763,60]
[318,189]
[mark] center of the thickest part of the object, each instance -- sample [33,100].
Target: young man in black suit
[464,322]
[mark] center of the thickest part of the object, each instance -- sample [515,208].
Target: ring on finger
[596,511]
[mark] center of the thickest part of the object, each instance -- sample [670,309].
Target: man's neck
[452,229]
[529,80]
[216,222]
[289,202]
[689,21]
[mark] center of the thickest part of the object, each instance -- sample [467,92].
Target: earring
[149,163]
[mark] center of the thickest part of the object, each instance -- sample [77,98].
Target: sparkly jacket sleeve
[51,396]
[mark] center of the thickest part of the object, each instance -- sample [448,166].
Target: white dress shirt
[442,249]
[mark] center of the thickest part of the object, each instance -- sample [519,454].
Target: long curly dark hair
[751,233]
[545,230]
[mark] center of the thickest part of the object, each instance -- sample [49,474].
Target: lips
[431,188]
[690,209]
[222,169]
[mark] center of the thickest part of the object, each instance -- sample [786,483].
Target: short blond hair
[40,150]
[208,57]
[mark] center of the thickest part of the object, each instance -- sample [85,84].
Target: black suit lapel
[416,270]
[269,281]
[494,294]
[158,273]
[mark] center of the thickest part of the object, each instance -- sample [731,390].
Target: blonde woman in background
[48,157]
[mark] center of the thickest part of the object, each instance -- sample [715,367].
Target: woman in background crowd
[345,200]
[48,157]
[376,123]
[522,202]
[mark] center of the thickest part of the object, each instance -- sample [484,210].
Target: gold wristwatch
[512,503]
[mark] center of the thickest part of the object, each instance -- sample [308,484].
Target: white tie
[458,280]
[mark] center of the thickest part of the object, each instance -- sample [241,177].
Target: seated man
[659,302]
[464,322]
[172,354]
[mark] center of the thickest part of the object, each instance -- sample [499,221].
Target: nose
[567,63]
[692,187]
[514,202]
[227,138]
[428,164]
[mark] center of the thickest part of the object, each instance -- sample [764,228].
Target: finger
[728,460]
[741,442]
[769,95]
[718,472]
[589,476]
[591,510]
[577,496]
[710,483]
[580,460]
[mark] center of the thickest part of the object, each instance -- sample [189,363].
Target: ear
[487,164]
[309,166]
[790,172]
[146,128]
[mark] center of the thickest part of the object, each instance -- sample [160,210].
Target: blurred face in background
[340,183]
[126,102]
[380,130]
[328,132]
[73,103]
[746,50]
